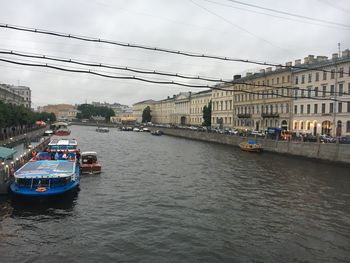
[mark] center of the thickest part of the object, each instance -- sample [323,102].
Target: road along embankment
[323,151]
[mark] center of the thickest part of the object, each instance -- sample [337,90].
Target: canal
[166,199]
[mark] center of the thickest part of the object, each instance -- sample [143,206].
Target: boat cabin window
[89,159]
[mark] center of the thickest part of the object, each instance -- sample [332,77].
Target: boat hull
[90,169]
[27,192]
[62,133]
[257,148]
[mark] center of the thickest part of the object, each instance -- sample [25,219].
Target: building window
[315,108]
[341,89]
[301,125]
[308,109]
[323,107]
[302,79]
[308,125]
[295,109]
[287,108]
[341,72]
[302,93]
[332,73]
[349,88]
[282,79]
[330,107]
[332,90]
[301,109]
[288,77]
[324,90]
[324,75]
[340,107]
[296,80]
[309,77]
[317,76]
[316,91]
[309,92]
[348,126]
[348,106]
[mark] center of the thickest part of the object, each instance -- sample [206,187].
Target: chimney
[174,96]
[297,62]
[269,69]
[278,67]
[289,64]
[345,53]
[262,71]
[321,58]
[168,97]
[311,59]
[334,56]
[249,74]
[237,77]
[306,60]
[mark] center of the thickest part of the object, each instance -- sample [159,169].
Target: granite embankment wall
[323,151]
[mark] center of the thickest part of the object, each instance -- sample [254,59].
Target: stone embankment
[323,151]
[26,137]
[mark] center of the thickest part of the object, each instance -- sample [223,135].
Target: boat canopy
[65,144]
[6,153]
[60,124]
[88,153]
[46,169]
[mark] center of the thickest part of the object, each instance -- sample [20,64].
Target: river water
[166,199]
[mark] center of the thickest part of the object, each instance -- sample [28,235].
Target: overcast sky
[218,27]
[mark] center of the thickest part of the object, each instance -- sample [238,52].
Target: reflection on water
[162,199]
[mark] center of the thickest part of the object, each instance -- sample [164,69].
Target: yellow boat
[251,146]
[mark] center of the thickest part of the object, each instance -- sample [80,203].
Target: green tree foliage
[14,115]
[207,115]
[146,114]
[88,110]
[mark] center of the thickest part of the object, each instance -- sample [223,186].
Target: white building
[322,95]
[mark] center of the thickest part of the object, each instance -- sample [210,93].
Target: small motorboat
[251,146]
[89,163]
[61,129]
[102,129]
[156,132]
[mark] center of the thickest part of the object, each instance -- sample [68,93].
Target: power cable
[290,14]
[216,87]
[153,72]
[164,50]
[276,16]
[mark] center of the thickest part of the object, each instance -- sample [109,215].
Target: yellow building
[138,108]
[222,105]
[263,99]
[198,101]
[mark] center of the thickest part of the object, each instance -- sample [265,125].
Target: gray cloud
[179,25]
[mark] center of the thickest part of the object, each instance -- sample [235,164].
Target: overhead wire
[157,49]
[275,16]
[96,73]
[290,14]
[153,72]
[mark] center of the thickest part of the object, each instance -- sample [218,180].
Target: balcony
[270,115]
[244,115]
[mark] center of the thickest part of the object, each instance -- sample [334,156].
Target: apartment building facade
[322,95]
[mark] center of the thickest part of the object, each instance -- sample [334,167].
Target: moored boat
[60,129]
[251,146]
[102,129]
[156,132]
[43,177]
[89,163]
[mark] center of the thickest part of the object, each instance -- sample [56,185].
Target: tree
[207,115]
[88,110]
[146,115]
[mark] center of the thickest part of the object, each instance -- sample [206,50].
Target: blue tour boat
[43,177]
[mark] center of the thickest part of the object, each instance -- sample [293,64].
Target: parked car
[345,140]
[326,139]
[309,138]
[257,133]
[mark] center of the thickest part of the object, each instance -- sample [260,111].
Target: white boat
[102,129]
[136,129]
